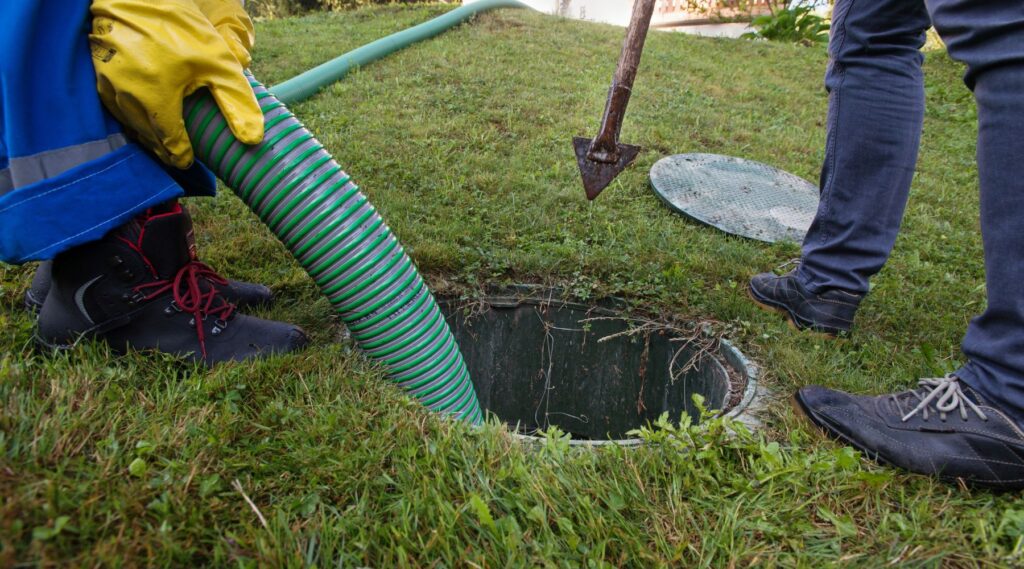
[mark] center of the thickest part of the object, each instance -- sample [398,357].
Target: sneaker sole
[792,319]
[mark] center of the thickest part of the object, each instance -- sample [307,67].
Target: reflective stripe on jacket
[68,175]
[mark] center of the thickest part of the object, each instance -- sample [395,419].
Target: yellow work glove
[233,24]
[151,54]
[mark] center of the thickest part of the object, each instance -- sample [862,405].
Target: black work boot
[241,294]
[141,287]
[830,312]
[943,428]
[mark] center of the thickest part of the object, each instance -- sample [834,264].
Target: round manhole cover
[592,371]
[737,196]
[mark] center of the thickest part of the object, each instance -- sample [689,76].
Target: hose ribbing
[315,209]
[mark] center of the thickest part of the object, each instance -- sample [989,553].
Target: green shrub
[280,8]
[798,24]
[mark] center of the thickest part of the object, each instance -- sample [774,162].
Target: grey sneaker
[943,428]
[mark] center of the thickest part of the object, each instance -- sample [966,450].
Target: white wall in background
[618,12]
[607,11]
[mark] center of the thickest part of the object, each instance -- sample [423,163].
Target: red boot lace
[190,297]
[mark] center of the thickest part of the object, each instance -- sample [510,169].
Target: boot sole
[52,347]
[32,304]
[792,319]
[47,346]
[59,346]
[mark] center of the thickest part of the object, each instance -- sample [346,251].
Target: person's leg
[967,425]
[989,38]
[875,116]
[875,113]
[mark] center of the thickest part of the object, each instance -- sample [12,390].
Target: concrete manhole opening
[593,371]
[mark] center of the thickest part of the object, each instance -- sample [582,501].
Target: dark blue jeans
[876,110]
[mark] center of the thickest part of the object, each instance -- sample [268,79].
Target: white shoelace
[795,263]
[947,396]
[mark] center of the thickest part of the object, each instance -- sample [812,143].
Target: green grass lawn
[463,143]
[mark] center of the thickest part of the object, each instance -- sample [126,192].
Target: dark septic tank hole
[596,371]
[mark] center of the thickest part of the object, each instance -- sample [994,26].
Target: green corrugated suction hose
[316,210]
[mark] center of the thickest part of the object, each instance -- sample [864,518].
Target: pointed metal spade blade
[597,175]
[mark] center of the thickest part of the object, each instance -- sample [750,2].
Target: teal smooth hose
[315,209]
[304,86]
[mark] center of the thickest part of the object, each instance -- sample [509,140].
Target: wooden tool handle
[605,146]
[633,47]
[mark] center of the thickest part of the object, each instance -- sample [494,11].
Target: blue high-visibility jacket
[68,174]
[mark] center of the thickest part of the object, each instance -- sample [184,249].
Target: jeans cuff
[968,376]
